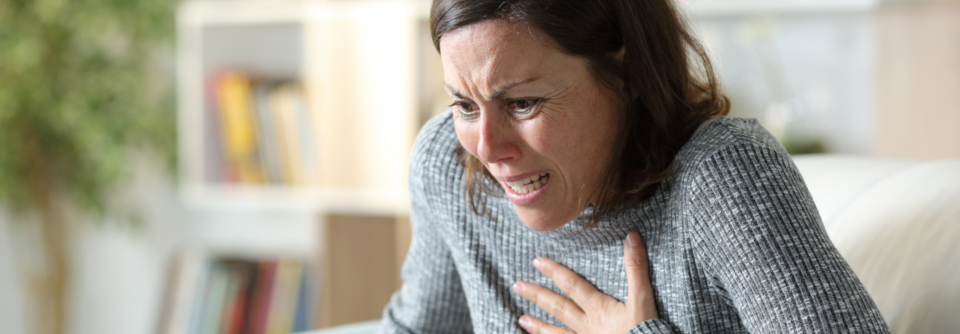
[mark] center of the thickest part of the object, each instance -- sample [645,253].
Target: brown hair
[664,80]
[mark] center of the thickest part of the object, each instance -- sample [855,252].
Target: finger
[640,299]
[582,292]
[559,307]
[536,326]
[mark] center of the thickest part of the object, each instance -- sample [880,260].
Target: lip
[528,198]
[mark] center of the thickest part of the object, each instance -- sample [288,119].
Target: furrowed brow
[497,94]
[500,92]
[454,92]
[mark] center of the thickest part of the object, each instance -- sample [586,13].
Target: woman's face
[535,117]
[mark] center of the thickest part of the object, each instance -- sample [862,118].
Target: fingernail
[524,322]
[537,263]
[518,288]
[633,239]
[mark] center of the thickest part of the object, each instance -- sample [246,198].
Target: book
[238,128]
[269,144]
[260,302]
[213,298]
[283,299]
[237,305]
[259,131]
[225,295]
[216,167]
[185,281]
[305,137]
[230,298]
[284,110]
[305,304]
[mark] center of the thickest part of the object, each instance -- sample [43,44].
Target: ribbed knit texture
[735,245]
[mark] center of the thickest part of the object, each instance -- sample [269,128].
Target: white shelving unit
[358,63]
[362,72]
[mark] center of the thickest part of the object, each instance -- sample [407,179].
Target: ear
[619,55]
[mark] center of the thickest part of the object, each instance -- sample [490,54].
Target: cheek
[577,137]
[468,137]
[556,141]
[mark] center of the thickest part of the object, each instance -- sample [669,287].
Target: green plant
[76,98]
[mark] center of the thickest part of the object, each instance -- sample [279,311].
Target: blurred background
[239,166]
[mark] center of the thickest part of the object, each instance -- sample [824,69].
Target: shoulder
[723,135]
[731,148]
[735,166]
[749,218]
[436,136]
[737,181]
[434,165]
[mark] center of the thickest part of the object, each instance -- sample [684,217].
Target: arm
[760,234]
[431,299]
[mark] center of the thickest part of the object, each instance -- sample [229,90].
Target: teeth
[529,184]
[531,179]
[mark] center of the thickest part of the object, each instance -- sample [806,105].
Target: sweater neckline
[628,218]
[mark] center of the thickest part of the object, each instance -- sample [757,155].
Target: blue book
[303,319]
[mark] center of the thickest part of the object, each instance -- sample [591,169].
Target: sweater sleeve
[760,235]
[431,299]
[652,326]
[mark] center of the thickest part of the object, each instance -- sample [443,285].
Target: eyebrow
[498,93]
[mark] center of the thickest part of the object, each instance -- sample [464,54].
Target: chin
[542,220]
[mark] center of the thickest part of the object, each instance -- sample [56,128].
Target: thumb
[640,300]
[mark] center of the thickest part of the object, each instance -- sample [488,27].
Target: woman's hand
[591,311]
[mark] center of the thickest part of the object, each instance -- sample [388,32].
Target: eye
[465,110]
[524,107]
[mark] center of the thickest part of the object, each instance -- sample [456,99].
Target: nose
[497,138]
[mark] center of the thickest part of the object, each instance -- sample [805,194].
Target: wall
[11,293]
[918,80]
[806,76]
[119,270]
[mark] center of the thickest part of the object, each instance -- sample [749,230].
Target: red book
[239,319]
[260,303]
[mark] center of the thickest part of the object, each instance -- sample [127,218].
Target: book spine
[239,131]
[285,118]
[213,300]
[302,321]
[305,136]
[260,307]
[269,146]
[229,299]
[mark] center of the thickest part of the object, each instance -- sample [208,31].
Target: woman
[574,123]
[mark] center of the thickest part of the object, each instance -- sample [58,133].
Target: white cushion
[897,223]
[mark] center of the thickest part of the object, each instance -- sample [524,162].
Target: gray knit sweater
[735,244]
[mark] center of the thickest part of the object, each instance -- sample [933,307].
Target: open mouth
[529,184]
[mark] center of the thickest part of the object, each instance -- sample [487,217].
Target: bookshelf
[358,66]
[358,80]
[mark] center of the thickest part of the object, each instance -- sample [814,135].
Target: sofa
[897,223]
